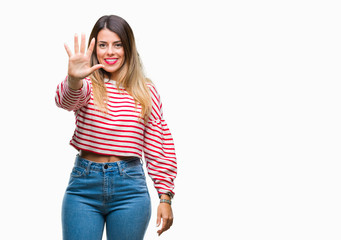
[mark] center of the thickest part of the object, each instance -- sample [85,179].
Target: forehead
[107,36]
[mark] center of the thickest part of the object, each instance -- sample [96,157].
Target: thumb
[93,68]
[96,67]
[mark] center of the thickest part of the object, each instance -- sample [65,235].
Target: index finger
[91,48]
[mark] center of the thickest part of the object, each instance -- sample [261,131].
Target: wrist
[165,196]
[167,201]
[74,83]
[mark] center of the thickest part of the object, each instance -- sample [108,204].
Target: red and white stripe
[121,132]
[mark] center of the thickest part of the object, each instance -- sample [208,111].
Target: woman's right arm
[71,99]
[74,92]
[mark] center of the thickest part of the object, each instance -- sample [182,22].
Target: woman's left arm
[159,152]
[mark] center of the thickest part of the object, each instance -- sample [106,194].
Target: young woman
[119,117]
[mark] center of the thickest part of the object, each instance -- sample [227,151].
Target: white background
[251,93]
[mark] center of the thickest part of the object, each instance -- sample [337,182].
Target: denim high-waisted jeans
[114,194]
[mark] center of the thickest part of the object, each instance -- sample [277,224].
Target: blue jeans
[112,194]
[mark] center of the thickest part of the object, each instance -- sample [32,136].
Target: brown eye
[118,45]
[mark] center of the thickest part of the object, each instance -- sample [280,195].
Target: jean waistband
[109,166]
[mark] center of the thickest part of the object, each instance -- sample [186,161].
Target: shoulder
[153,90]
[151,86]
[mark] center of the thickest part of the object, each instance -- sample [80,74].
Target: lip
[110,61]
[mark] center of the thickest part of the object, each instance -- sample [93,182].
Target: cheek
[99,54]
[121,53]
[122,57]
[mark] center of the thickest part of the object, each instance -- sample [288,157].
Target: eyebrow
[106,42]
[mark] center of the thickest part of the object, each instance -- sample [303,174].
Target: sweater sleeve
[70,99]
[159,151]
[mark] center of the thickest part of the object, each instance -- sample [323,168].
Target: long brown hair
[130,76]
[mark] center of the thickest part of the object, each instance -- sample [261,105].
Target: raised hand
[79,61]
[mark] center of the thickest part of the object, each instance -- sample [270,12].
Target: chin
[110,70]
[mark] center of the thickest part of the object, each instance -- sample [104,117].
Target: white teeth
[110,60]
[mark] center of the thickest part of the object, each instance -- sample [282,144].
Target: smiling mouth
[110,61]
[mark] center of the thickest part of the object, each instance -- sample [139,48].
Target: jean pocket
[134,172]
[77,172]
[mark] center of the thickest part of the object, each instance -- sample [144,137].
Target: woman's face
[110,52]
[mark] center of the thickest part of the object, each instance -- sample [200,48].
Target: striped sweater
[120,131]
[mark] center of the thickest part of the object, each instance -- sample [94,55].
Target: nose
[110,51]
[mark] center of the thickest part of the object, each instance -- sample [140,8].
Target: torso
[94,157]
[118,132]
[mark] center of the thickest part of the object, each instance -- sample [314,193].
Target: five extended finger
[91,47]
[95,67]
[83,43]
[76,44]
[69,53]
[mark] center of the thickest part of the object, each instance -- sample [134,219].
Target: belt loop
[119,168]
[77,160]
[88,168]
